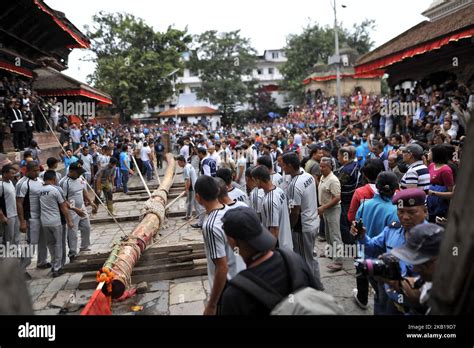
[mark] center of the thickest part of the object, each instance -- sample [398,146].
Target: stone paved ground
[185,296]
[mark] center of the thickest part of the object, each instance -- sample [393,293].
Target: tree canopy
[133,60]
[316,43]
[222,59]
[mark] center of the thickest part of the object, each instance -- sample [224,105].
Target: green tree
[316,43]
[222,59]
[132,60]
[262,103]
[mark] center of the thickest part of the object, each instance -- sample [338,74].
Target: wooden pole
[131,249]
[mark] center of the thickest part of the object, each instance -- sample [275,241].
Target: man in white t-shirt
[147,157]
[235,193]
[9,228]
[303,204]
[240,170]
[222,262]
[275,216]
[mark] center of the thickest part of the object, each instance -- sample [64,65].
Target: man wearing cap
[420,250]
[255,245]
[411,211]
[222,262]
[417,175]
[375,214]
[75,189]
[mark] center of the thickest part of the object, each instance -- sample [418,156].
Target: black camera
[360,228]
[457,143]
[387,267]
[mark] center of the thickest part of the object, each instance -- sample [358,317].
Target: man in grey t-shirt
[74,187]
[274,214]
[9,229]
[303,204]
[87,163]
[190,177]
[28,208]
[54,209]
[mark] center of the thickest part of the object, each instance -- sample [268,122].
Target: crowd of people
[383,182]
[48,201]
[263,193]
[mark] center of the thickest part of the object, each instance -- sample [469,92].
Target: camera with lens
[386,267]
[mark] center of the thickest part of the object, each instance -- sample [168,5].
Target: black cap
[77,167]
[242,223]
[422,244]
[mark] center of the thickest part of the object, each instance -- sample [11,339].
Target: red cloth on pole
[99,304]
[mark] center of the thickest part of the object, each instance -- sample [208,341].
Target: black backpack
[303,299]
[264,292]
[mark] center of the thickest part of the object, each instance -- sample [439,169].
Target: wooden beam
[152,277]
[146,261]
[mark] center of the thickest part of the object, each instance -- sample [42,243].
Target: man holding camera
[421,250]
[411,211]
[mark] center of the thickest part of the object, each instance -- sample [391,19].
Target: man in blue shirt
[411,211]
[375,214]
[125,167]
[362,149]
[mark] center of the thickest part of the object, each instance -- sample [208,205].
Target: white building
[269,76]
[267,73]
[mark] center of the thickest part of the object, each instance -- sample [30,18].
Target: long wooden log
[131,249]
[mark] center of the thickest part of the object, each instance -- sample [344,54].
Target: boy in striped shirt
[222,262]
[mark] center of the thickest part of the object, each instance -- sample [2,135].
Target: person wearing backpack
[272,275]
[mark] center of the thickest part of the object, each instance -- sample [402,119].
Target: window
[181,91]
[275,55]
[271,71]
[162,108]
[259,71]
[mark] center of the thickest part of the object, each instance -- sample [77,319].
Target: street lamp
[338,60]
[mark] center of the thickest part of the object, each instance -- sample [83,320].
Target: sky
[266,22]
